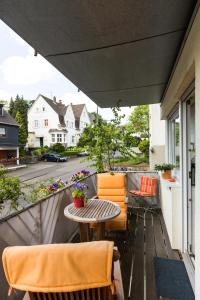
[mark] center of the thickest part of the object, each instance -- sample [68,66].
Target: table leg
[100,231]
[84,232]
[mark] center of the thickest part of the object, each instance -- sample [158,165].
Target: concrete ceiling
[112,50]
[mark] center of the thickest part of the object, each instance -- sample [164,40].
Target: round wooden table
[96,211]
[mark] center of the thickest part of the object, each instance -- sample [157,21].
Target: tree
[22,129]
[103,138]
[139,121]
[20,105]
[12,108]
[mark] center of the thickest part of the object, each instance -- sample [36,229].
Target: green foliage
[103,138]
[22,152]
[70,152]
[22,129]
[132,161]
[57,148]
[40,151]
[164,167]
[20,105]
[9,189]
[144,147]
[139,121]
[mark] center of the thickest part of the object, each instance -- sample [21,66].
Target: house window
[53,138]
[43,109]
[64,138]
[46,123]
[2,132]
[59,138]
[174,138]
[73,138]
[36,123]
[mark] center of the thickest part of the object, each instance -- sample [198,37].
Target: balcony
[146,237]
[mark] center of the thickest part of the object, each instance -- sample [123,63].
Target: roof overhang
[111,50]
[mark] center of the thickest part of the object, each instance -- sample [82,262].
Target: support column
[17,155]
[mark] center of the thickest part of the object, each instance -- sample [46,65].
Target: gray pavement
[51,170]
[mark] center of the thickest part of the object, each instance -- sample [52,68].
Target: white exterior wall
[36,113]
[157,136]
[84,121]
[70,125]
[188,69]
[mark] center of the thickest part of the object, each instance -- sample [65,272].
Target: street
[51,170]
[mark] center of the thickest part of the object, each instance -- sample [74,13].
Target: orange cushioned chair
[147,189]
[64,271]
[113,187]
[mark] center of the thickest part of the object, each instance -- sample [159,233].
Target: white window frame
[59,138]
[172,136]
[36,124]
[46,125]
[53,138]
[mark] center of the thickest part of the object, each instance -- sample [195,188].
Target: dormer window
[2,132]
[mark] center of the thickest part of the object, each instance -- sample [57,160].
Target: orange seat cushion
[113,188]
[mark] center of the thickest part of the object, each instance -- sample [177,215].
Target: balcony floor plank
[144,240]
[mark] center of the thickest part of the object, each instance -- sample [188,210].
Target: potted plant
[79,194]
[166,170]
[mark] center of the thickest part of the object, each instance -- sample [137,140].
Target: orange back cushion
[111,187]
[148,185]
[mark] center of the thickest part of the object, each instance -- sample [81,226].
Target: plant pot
[78,202]
[167,174]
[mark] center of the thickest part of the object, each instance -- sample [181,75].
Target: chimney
[1,109]
[54,99]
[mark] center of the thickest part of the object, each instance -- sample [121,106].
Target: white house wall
[84,121]
[157,136]
[70,125]
[186,71]
[36,113]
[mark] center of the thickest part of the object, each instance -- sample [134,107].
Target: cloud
[5,95]
[26,70]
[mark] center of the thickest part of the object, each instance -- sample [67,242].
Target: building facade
[9,145]
[51,122]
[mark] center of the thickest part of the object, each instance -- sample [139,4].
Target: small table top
[95,211]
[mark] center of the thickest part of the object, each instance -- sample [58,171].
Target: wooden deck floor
[145,239]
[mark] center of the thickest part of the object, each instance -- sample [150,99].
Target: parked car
[84,153]
[53,157]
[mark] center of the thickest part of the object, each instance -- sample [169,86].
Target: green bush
[144,147]
[59,148]
[37,152]
[69,153]
[9,188]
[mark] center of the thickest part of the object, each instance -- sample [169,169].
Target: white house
[51,122]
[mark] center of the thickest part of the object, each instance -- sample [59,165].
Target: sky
[24,74]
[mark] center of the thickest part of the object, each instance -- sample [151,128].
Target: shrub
[144,147]
[59,148]
[9,188]
[69,153]
[37,152]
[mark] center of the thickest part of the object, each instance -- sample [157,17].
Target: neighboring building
[157,136]
[51,122]
[9,130]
